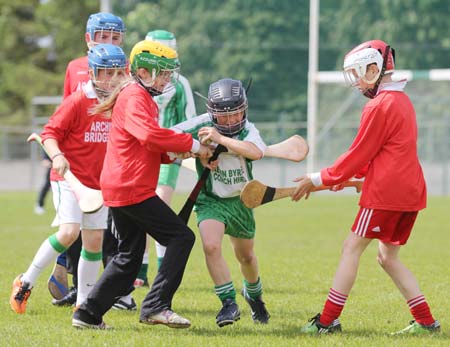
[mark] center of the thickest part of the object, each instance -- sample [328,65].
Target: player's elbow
[257,155]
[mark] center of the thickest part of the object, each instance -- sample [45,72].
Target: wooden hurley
[90,200]
[255,193]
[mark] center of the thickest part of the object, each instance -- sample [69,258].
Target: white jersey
[233,170]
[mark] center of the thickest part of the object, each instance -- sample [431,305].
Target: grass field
[298,246]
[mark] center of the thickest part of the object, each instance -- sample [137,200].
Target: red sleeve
[141,121]
[370,138]
[66,91]
[61,122]
[165,159]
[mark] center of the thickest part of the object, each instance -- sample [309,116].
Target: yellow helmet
[154,57]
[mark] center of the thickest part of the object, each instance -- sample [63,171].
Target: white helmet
[368,53]
[163,36]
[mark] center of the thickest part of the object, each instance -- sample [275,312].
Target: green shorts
[238,219]
[168,175]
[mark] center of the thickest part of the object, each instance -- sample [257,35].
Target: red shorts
[387,226]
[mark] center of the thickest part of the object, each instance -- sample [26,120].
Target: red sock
[420,310]
[333,307]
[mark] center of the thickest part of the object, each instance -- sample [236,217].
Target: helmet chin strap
[372,92]
[152,91]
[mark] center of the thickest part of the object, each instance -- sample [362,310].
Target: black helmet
[227,97]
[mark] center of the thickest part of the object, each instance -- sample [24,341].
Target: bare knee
[212,249]
[385,261]
[246,258]
[67,234]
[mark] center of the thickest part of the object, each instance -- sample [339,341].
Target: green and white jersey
[233,170]
[176,105]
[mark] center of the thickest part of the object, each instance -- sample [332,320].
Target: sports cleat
[228,314]
[315,328]
[167,318]
[20,293]
[57,282]
[68,300]
[82,320]
[258,308]
[415,328]
[138,283]
[122,305]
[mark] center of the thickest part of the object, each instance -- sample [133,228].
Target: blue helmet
[104,21]
[106,56]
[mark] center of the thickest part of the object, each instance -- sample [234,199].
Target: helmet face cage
[106,57]
[226,100]
[108,25]
[355,65]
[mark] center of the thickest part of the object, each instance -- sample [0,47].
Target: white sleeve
[190,104]
[254,137]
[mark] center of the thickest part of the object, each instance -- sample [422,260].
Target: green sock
[225,291]
[254,290]
[159,261]
[143,272]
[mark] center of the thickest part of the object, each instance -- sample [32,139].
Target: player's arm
[59,161]
[367,143]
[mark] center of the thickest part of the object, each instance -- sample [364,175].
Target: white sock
[45,256]
[87,276]
[160,250]
[127,299]
[145,258]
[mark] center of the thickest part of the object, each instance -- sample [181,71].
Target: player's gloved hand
[60,164]
[303,188]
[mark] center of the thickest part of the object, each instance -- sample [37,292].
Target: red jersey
[136,148]
[81,135]
[385,149]
[77,75]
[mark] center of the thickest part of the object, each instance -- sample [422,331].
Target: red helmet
[380,46]
[371,52]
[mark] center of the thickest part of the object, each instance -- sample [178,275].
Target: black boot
[68,300]
[228,314]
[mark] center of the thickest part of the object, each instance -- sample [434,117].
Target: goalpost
[333,113]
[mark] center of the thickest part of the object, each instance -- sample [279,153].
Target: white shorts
[68,211]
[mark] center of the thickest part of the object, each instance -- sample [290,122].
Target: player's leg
[252,291]
[167,181]
[110,249]
[212,232]
[165,192]
[39,208]
[46,255]
[90,262]
[68,218]
[388,258]
[118,274]
[72,258]
[161,222]
[141,278]
[344,278]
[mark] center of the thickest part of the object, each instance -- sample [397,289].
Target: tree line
[266,40]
